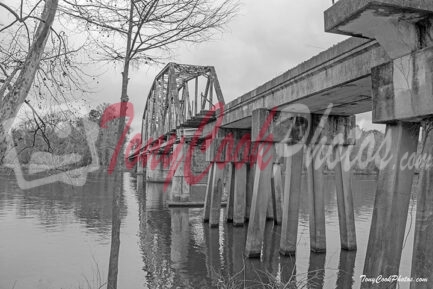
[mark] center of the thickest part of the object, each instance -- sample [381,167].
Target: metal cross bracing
[180,97]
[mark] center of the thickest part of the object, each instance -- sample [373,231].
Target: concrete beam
[340,75]
[293,128]
[403,88]
[391,22]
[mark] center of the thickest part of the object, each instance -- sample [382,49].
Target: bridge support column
[291,201]
[240,197]
[289,133]
[346,218]
[260,201]
[329,131]
[391,206]
[230,182]
[422,260]
[277,190]
[208,197]
[316,202]
[216,195]
[181,188]
[237,154]
[218,155]
[251,171]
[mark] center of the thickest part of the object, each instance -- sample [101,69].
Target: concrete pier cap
[395,24]
[402,89]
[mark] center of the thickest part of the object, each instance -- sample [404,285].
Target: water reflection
[316,271]
[346,269]
[162,247]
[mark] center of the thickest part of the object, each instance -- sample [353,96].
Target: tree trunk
[12,101]
[116,222]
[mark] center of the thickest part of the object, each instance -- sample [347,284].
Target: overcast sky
[266,39]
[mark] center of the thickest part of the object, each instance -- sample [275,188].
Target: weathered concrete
[340,75]
[208,197]
[251,172]
[391,206]
[277,192]
[230,183]
[240,195]
[291,199]
[316,206]
[391,22]
[180,186]
[402,88]
[346,218]
[217,190]
[422,260]
[259,203]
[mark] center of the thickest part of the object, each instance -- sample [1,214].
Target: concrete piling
[346,218]
[391,205]
[259,204]
[292,194]
[316,204]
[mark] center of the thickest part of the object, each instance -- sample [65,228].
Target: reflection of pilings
[179,236]
[140,184]
[391,206]
[346,269]
[288,271]
[238,241]
[422,260]
[213,262]
[270,248]
[316,271]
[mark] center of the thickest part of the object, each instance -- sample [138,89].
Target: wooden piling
[291,202]
[259,204]
[391,206]
[316,204]
[422,260]
[346,218]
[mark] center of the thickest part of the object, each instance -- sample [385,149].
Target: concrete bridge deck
[340,75]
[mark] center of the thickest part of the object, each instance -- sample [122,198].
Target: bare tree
[18,73]
[37,62]
[141,32]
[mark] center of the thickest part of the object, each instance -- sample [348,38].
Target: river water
[58,236]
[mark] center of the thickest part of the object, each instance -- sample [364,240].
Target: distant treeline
[63,135]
